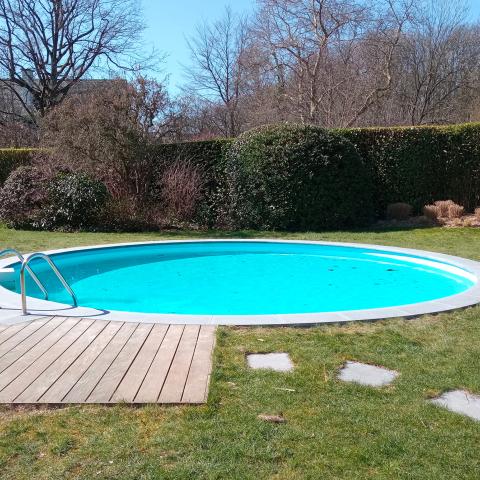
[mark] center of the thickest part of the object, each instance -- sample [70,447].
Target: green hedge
[296,177]
[11,158]
[416,165]
[419,165]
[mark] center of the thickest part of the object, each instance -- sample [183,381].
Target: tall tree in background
[47,46]
[438,63]
[334,57]
[217,72]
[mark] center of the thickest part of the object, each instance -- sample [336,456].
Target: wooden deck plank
[88,381]
[17,386]
[17,368]
[196,387]
[49,376]
[72,360]
[128,387]
[11,330]
[115,373]
[69,378]
[20,336]
[30,342]
[174,385]
[155,378]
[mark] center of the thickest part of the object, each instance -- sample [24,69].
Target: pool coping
[10,311]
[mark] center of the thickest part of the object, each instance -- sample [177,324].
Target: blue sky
[169,21]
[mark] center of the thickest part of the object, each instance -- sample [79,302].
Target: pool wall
[10,311]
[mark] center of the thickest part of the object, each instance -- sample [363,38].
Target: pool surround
[10,301]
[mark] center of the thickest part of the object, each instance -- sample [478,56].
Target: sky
[170,21]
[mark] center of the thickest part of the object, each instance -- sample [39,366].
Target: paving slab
[280,362]
[460,401]
[366,374]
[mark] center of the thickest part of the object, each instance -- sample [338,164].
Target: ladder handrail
[45,257]
[29,270]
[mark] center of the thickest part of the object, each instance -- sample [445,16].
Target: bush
[443,207]
[399,211]
[443,210]
[74,201]
[12,158]
[432,212]
[455,211]
[209,157]
[22,197]
[296,177]
[181,188]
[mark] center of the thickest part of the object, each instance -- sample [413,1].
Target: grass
[334,430]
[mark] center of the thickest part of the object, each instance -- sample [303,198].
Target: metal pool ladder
[30,271]
[45,257]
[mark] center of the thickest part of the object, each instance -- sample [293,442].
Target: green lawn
[333,431]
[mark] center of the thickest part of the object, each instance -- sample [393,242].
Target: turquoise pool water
[247,278]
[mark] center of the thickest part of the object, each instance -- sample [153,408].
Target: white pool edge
[10,311]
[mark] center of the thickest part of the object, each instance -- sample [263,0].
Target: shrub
[399,211]
[296,177]
[443,207]
[22,197]
[181,187]
[12,158]
[209,157]
[443,210]
[75,201]
[455,211]
[432,212]
[477,213]
[110,133]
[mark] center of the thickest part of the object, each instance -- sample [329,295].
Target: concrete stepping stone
[365,374]
[460,401]
[280,362]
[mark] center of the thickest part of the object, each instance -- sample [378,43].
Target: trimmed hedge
[12,158]
[415,165]
[295,177]
[419,165]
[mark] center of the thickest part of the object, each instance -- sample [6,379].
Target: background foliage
[415,165]
[12,158]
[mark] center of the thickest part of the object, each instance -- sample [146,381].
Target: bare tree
[378,52]
[438,64]
[217,71]
[47,46]
[304,38]
[333,58]
[111,133]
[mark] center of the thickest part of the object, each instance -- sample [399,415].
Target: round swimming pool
[254,282]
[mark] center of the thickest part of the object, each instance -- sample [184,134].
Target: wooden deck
[69,360]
